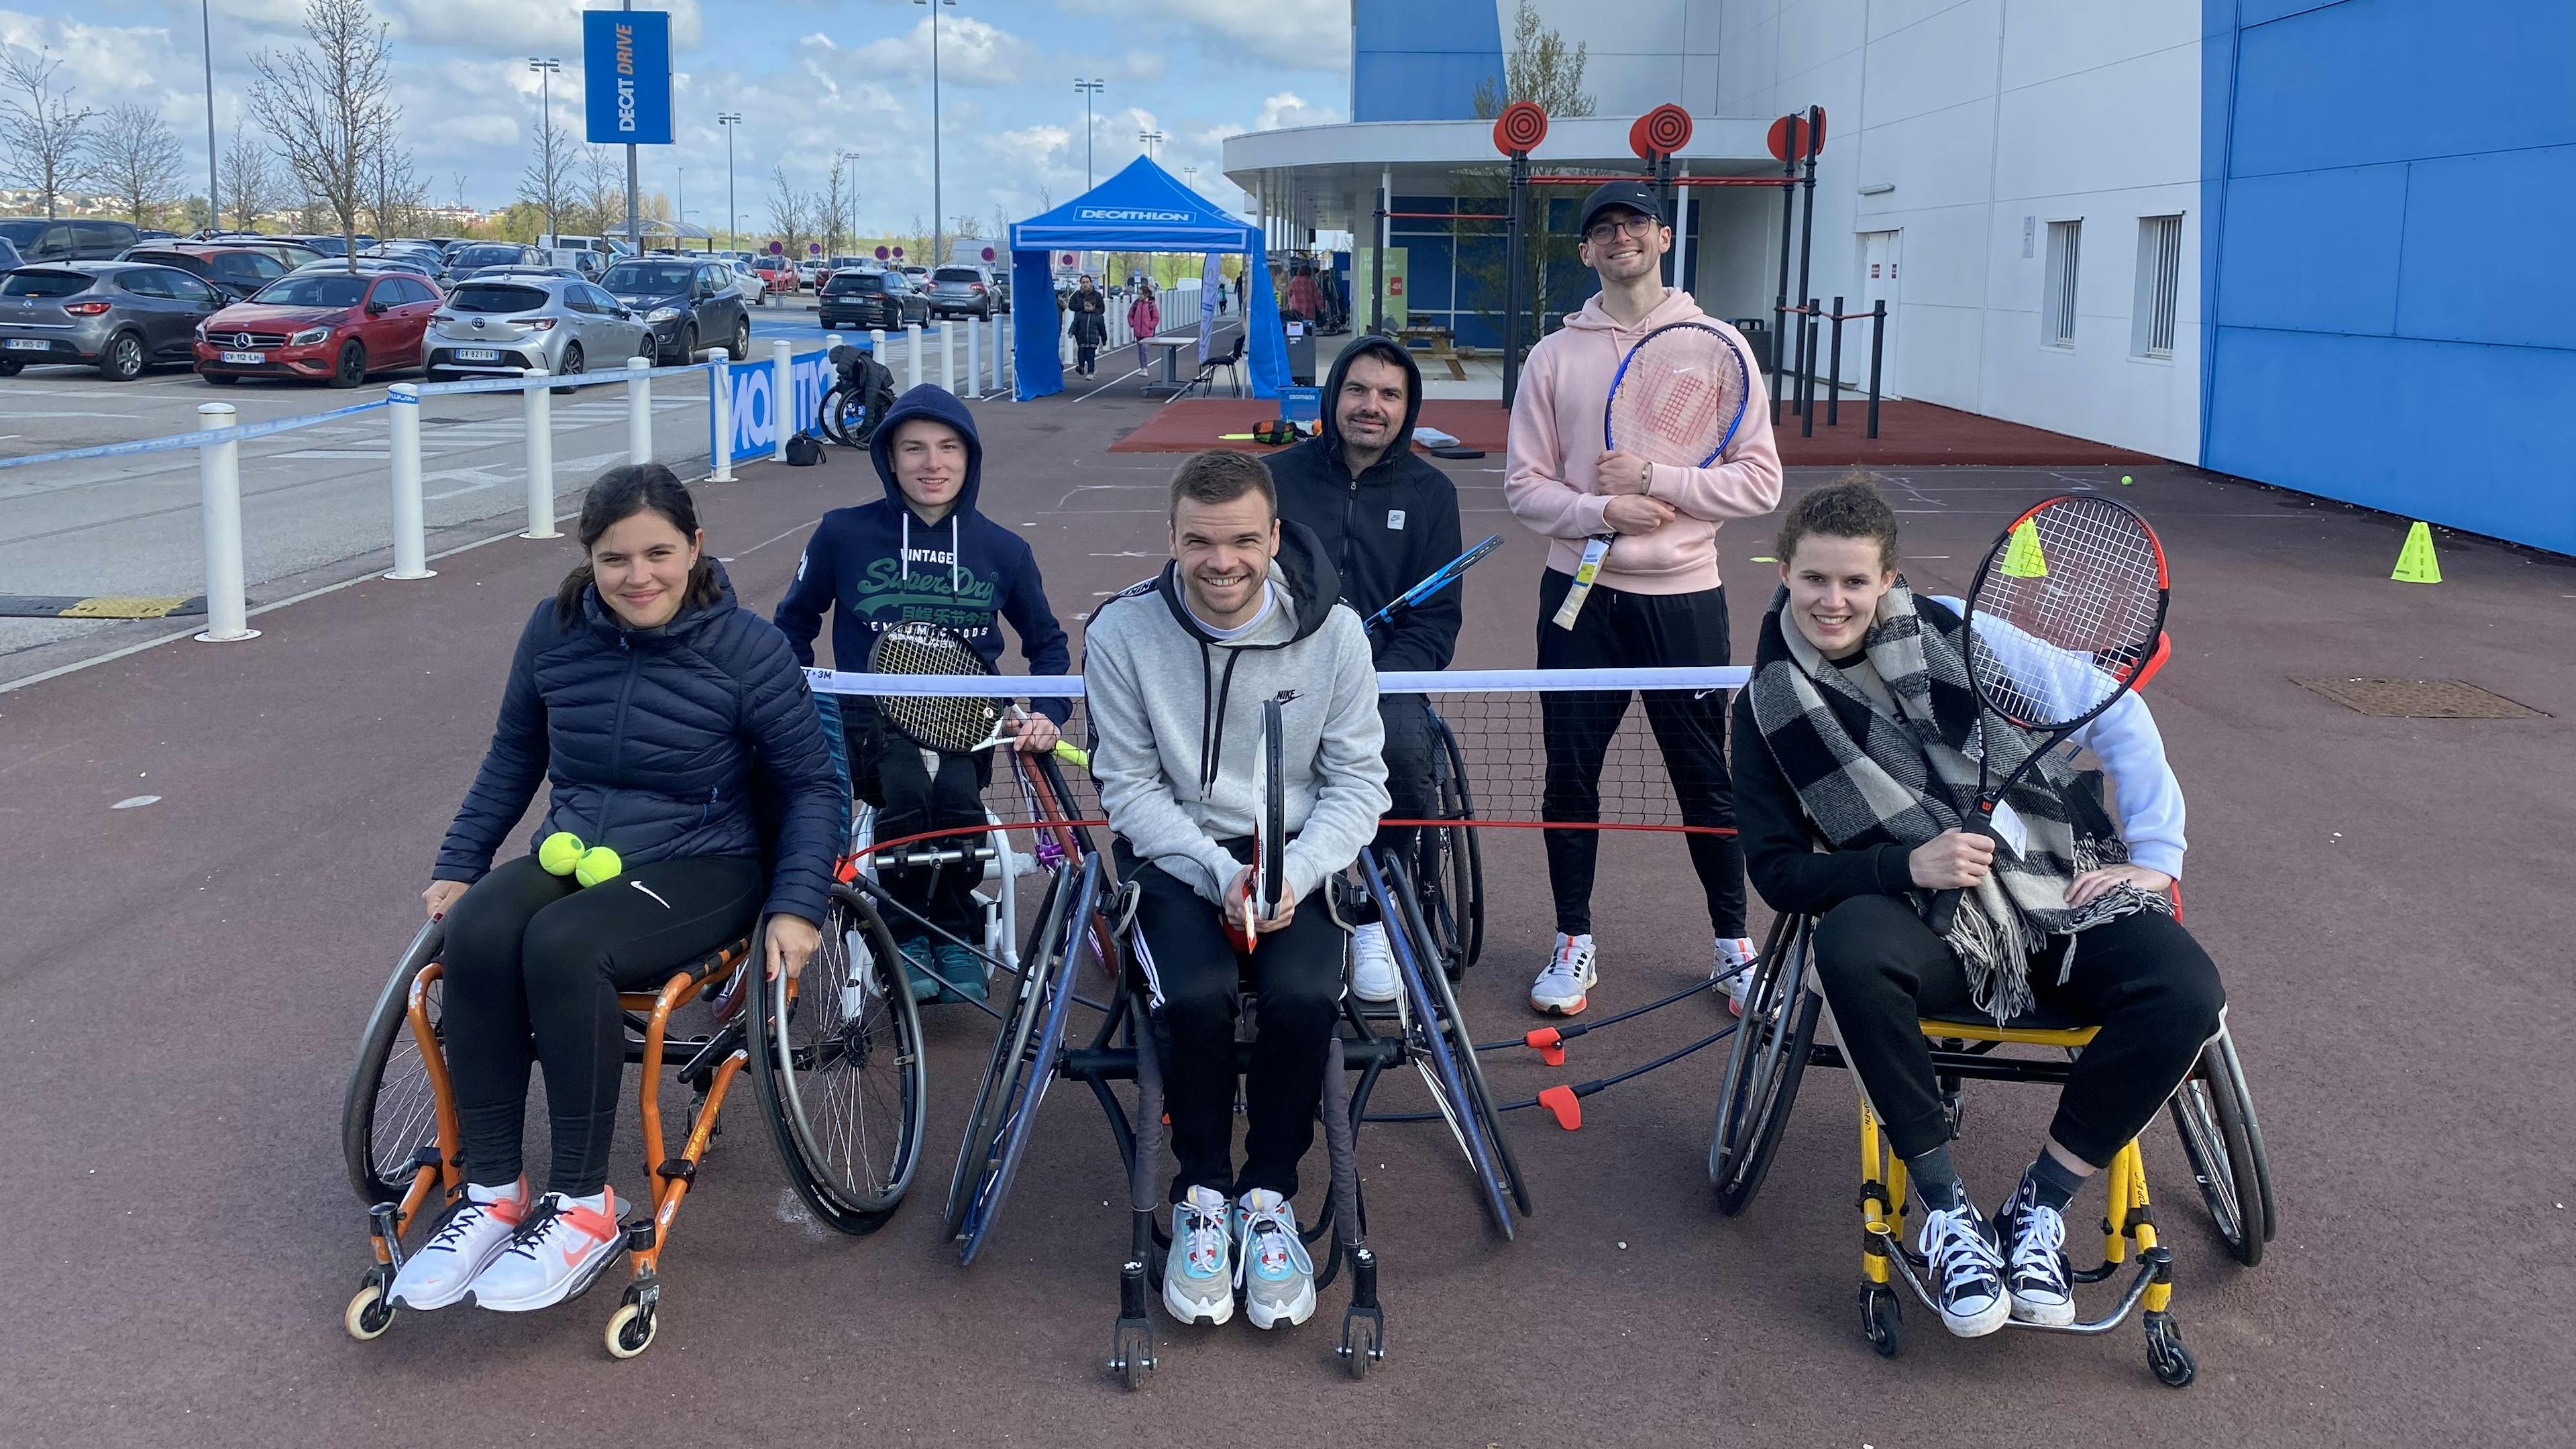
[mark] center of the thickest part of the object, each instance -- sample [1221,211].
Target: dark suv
[81,239]
[234,271]
[871,299]
[689,304]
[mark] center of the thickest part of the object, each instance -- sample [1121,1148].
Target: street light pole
[1089,88]
[214,209]
[1151,140]
[938,223]
[733,236]
[853,194]
[545,70]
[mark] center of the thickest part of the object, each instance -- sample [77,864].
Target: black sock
[1936,1181]
[2050,1183]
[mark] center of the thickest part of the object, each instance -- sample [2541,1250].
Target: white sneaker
[1277,1277]
[1736,956]
[1372,964]
[1198,1282]
[474,1231]
[1966,1270]
[1559,990]
[564,1244]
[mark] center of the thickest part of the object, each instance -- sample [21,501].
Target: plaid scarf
[1867,780]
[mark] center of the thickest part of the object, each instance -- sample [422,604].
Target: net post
[1834,371]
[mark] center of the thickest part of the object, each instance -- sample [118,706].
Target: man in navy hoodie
[924,553]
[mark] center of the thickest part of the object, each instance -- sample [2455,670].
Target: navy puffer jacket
[654,741]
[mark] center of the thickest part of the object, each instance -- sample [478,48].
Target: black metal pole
[1377,267]
[1877,336]
[1807,243]
[1834,372]
[1780,298]
[1515,258]
[1807,374]
[1665,212]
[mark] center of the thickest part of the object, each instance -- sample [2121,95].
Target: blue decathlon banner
[626,76]
[756,404]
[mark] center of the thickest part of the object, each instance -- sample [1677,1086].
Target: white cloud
[1287,108]
[971,53]
[515,26]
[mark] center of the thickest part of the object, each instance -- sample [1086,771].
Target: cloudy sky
[811,77]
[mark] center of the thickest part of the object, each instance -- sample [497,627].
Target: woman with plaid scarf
[1856,751]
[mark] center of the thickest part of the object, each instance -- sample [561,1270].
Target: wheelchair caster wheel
[1881,1320]
[1131,1353]
[368,1314]
[2165,1354]
[631,1329]
[1361,1347]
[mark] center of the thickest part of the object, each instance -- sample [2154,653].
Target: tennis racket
[950,724]
[1678,399]
[2066,615]
[1269,829]
[1433,582]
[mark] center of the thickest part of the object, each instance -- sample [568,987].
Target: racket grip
[1945,907]
[1073,754]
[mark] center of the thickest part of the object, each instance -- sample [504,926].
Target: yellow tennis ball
[597,864]
[559,852]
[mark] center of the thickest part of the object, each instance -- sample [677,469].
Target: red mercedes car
[323,324]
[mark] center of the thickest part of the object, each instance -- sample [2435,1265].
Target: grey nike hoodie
[1176,717]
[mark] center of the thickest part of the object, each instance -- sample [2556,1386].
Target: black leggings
[534,959]
[1621,630]
[2142,979]
[1297,971]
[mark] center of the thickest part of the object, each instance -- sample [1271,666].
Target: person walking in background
[1144,319]
[1090,325]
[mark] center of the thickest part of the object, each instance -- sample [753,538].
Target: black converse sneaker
[2037,1274]
[1967,1272]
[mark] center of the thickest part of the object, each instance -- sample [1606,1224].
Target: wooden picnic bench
[1439,345]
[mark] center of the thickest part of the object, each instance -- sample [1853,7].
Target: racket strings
[2073,596]
[947,723]
[1678,397]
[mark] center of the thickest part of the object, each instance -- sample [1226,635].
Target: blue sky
[811,77]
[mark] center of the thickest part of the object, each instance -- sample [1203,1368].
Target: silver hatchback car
[506,322]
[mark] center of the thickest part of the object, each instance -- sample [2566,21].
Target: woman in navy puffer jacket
[651,703]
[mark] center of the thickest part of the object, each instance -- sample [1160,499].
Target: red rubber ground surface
[182,985]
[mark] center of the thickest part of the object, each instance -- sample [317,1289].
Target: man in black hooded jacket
[1386,518]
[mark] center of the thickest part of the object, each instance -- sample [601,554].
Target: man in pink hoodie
[1657,600]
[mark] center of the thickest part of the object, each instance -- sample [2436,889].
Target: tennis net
[1492,738]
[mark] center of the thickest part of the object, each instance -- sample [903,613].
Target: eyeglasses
[1631,225]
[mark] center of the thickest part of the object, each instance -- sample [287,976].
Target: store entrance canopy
[1141,209]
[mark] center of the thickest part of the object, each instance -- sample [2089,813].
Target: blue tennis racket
[1433,582]
[1678,399]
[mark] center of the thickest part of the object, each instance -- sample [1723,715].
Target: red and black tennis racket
[2066,614]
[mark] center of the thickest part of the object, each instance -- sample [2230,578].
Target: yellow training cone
[2415,562]
[2022,558]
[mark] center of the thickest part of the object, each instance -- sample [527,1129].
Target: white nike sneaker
[564,1244]
[1560,989]
[1198,1282]
[476,1228]
[1372,963]
[1736,956]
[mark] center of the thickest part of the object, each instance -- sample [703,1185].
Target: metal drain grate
[2419,699]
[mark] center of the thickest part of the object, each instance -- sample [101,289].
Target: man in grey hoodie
[1175,671]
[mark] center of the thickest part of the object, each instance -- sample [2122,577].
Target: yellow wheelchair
[2212,1112]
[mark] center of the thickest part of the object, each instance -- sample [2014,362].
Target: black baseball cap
[1635,196]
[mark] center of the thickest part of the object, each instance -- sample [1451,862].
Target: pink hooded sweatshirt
[1556,445]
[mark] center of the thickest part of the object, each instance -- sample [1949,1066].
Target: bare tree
[791,212]
[331,110]
[549,176]
[600,190]
[48,138]
[395,198]
[840,193]
[136,159]
[251,183]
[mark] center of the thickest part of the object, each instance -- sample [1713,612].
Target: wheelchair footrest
[678,1169]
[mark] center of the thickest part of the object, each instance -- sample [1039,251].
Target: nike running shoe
[474,1230]
[1560,989]
[561,1248]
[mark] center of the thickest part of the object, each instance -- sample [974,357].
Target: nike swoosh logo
[648,890]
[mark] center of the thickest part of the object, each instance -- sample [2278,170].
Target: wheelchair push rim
[391,1109]
[1061,967]
[2213,1114]
[1429,1042]
[1764,1066]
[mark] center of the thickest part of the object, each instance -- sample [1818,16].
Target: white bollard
[536,407]
[876,345]
[219,517]
[782,398]
[411,529]
[720,415]
[947,358]
[639,410]
[974,359]
[912,350]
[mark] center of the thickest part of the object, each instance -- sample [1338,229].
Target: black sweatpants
[2141,978]
[1409,786]
[1621,630]
[910,797]
[535,960]
[1297,972]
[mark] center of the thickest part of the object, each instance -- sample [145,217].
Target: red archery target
[1520,127]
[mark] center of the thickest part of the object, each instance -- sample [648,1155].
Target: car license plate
[477,354]
[30,344]
[253,358]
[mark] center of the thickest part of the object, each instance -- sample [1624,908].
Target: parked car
[368,265]
[333,245]
[749,283]
[961,291]
[863,300]
[581,261]
[289,254]
[811,272]
[686,302]
[779,274]
[234,271]
[120,317]
[508,321]
[10,261]
[71,239]
[154,233]
[473,257]
[327,325]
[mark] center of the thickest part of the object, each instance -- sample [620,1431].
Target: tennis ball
[597,864]
[559,852]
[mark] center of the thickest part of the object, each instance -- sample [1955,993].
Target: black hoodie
[1385,530]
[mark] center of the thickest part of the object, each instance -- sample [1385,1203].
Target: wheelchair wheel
[843,418]
[1456,859]
[2213,1114]
[390,1111]
[1003,1069]
[1056,974]
[838,1065]
[1436,1040]
[1763,1067]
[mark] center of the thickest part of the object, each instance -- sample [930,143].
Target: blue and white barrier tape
[240,432]
[1441,681]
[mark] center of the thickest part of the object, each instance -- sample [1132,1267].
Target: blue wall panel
[1421,60]
[2396,80]
[2489,243]
[2326,253]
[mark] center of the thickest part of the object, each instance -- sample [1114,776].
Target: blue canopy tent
[1141,209]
